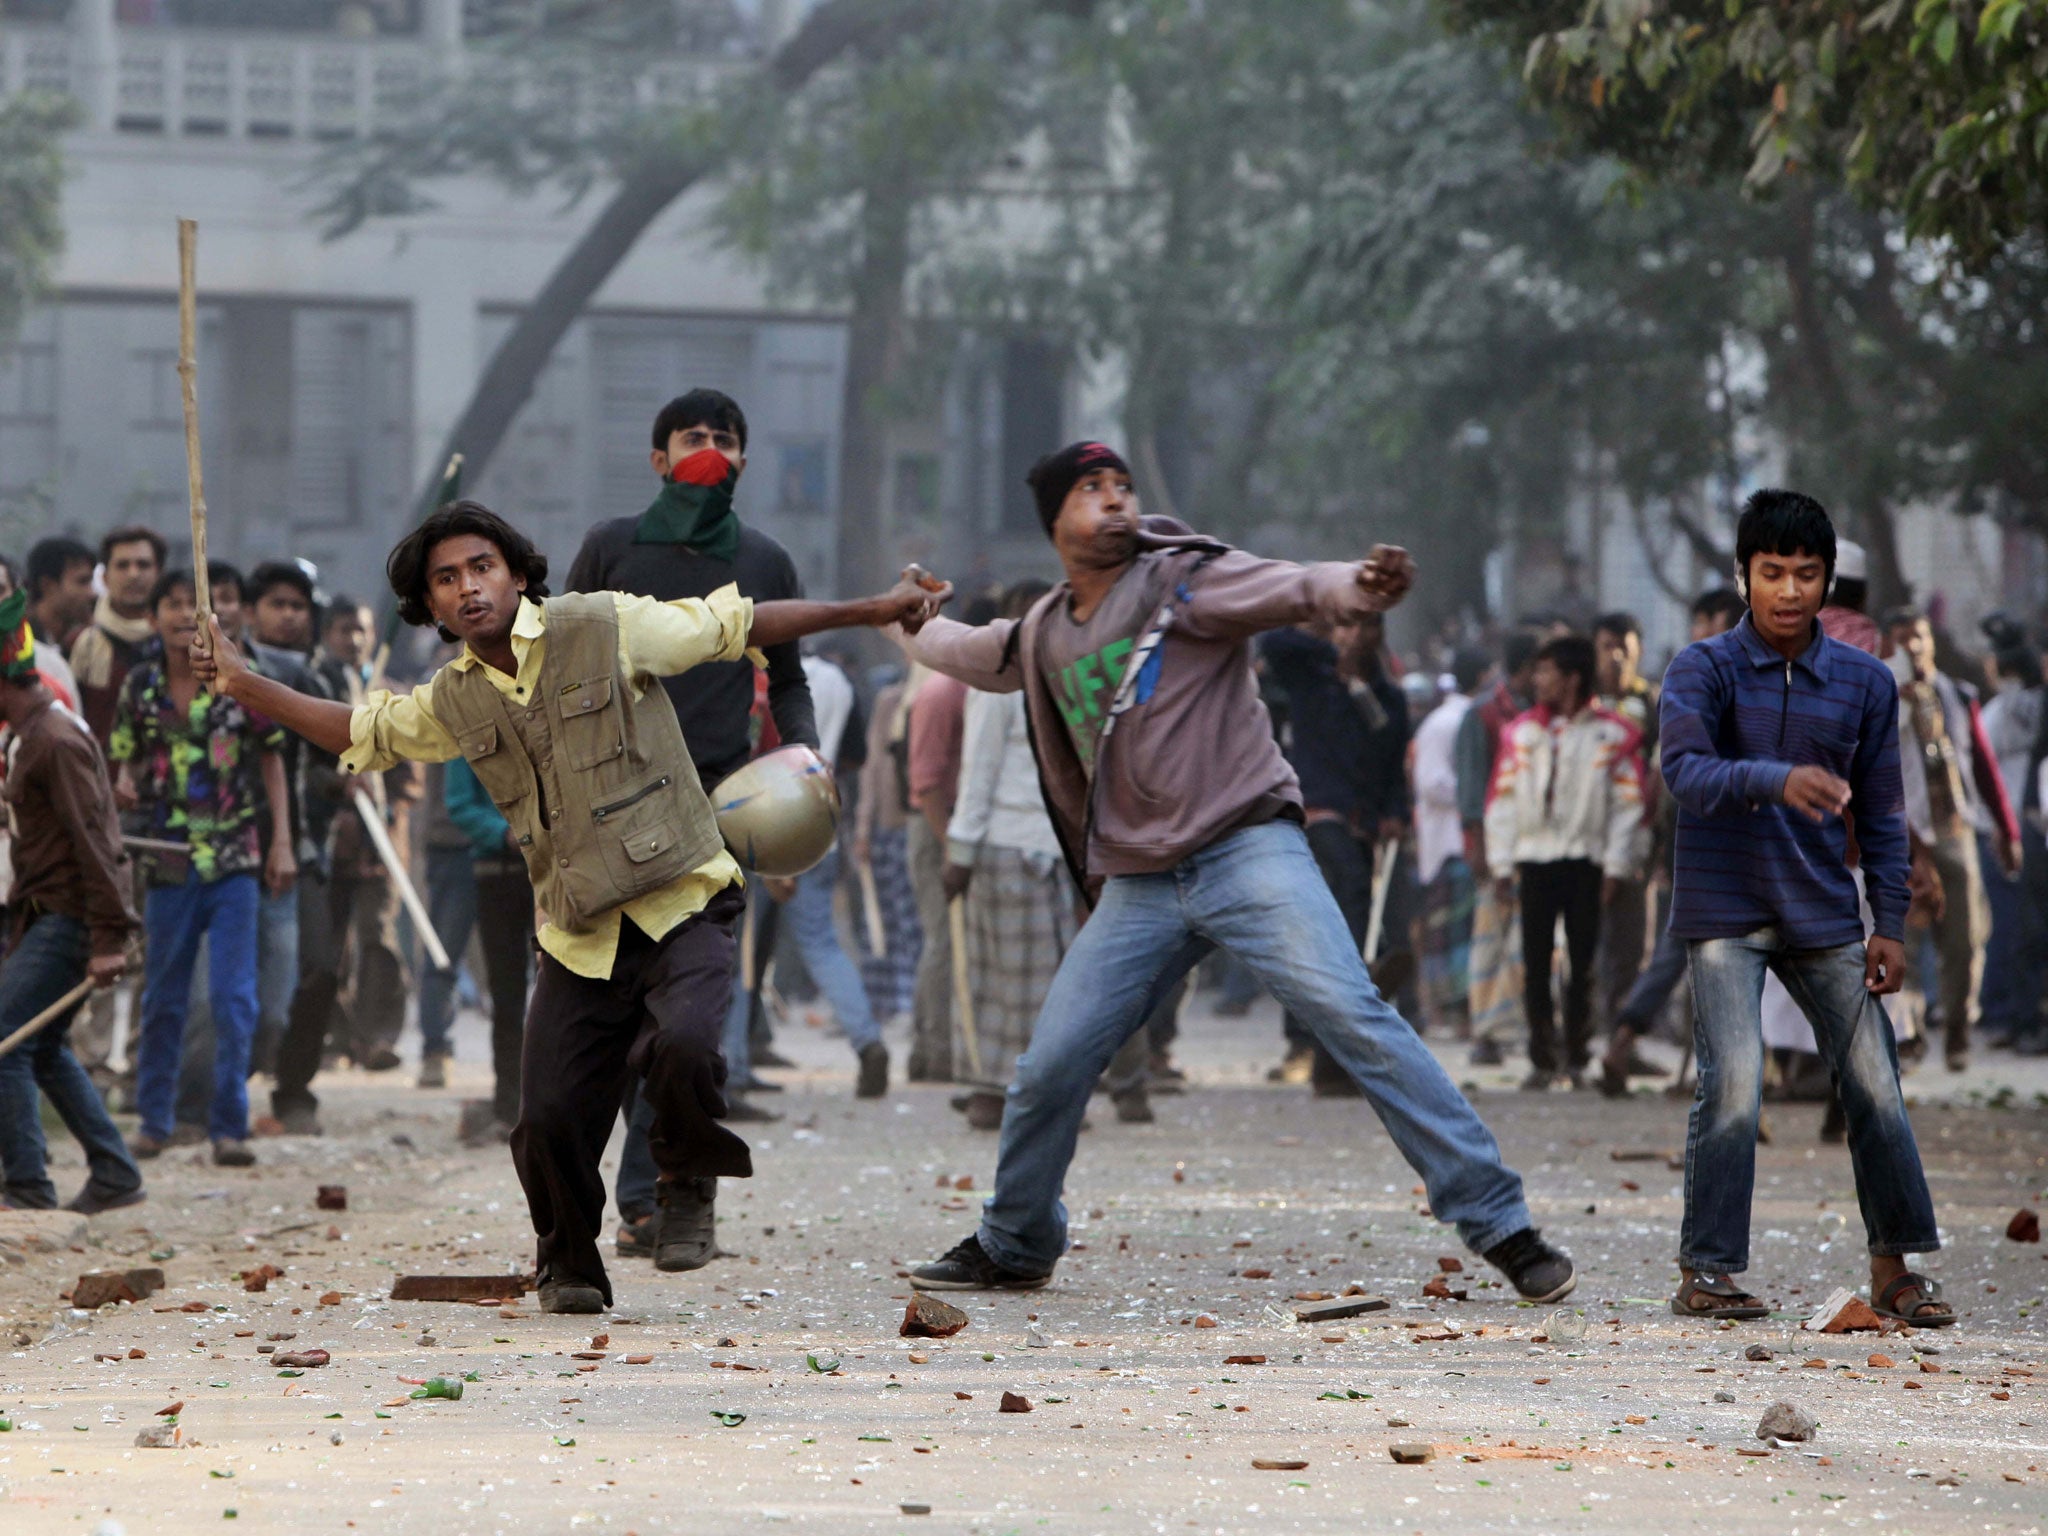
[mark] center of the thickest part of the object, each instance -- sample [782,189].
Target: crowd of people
[243,787]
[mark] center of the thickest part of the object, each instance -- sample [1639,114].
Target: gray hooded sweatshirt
[1192,757]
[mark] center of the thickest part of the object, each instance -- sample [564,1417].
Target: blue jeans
[1855,1040]
[451,907]
[177,917]
[277,960]
[1258,894]
[807,919]
[1646,1000]
[48,962]
[277,977]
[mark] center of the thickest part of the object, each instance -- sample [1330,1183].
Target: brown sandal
[1886,1302]
[1716,1298]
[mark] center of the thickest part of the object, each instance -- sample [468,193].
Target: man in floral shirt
[206,771]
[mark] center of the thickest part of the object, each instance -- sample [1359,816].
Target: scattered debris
[1880,1362]
[1273,1464]
[331,1197]
[160,1437]
[1451,1264]
[730,1418]
[259,1278]
[1411,1453]
[927,1317]
[1343,1306]
[2025,1226]
[1786,1421]
[1759,1352]
[1244,1359]
[914,1509]
[94,1290]
[1015,1402]
[1439,1291]
[453,1288]
[1844,1312]
[304,1359]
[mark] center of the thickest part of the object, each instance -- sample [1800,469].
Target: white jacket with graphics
[1568,789]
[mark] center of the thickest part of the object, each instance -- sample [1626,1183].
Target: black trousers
[658,1016]
[504,932]
[1568,888]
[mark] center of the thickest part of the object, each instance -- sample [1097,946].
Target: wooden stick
[48,1016]
[871,905]
[188,382]
[963,987]
[1384,854]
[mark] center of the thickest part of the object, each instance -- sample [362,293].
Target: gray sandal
[1886,1302]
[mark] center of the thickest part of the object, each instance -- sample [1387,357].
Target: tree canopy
[1935,110]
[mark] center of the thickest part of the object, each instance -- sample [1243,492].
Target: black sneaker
[967,1267]
[1486,1052]
[686,1230]
[1538,1270]
[874,1071]
[570,1296]
[299,1117]
[744,1111]
[95,1198]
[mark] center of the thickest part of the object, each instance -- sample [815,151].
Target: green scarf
[695,507]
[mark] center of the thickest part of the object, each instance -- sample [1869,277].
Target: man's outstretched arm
[914,599]
[220,666]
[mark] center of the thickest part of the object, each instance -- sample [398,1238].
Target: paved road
[1193,1236]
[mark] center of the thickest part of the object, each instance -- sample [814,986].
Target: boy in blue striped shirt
[1781,747]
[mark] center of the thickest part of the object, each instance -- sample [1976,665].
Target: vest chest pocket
[592,722]
[502,775]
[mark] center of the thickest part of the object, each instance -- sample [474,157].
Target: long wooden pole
[48,1016]
[408,893]
[963,987]
[188,382]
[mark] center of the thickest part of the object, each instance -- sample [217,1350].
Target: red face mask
[707,466]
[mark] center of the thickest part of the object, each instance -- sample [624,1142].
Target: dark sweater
[715,700]
[1738,717]
[1346,762]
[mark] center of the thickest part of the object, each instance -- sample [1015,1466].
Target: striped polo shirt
[1737,718]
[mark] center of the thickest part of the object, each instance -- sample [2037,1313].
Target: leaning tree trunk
[508,381]
[874,352]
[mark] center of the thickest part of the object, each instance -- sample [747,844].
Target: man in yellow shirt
[555,703]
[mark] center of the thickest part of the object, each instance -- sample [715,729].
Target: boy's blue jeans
[1855,1040]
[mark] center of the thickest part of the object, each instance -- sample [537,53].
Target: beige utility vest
[596,784]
